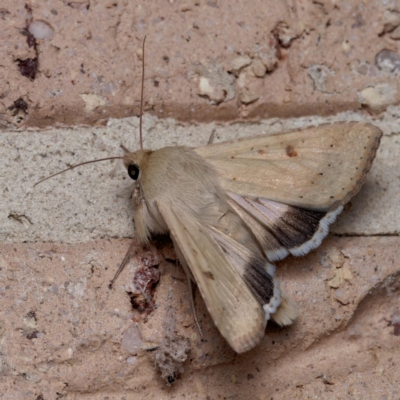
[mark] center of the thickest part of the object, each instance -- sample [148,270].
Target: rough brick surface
[79,62]
[62,328]
[63,333]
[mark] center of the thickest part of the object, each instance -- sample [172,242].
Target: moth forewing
[317,168]
[237,314]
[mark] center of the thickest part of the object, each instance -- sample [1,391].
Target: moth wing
[238,315]
[318,168]
[282,229]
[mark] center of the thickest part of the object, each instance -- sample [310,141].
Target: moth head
[135,162]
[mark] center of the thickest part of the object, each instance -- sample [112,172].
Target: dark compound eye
[133,171]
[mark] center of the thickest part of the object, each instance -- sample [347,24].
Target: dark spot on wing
[209,275]
[255,274]
[292,227]
[261,151]
[290,151]
[297,226]
[259,280]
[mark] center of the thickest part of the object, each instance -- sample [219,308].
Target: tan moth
[233,208]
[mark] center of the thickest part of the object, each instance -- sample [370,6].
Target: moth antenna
[141,98]
[77,165]
[124,149]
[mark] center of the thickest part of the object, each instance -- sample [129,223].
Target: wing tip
[287,311]
[246,342]
[371,148]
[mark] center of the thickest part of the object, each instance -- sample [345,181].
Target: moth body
[180,178]
[177,175]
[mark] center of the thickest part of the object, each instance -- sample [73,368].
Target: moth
[234,208]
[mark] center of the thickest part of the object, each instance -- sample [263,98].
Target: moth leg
[125,261]
[142,221]
[190,283]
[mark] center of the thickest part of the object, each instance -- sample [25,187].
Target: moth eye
[133,171]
